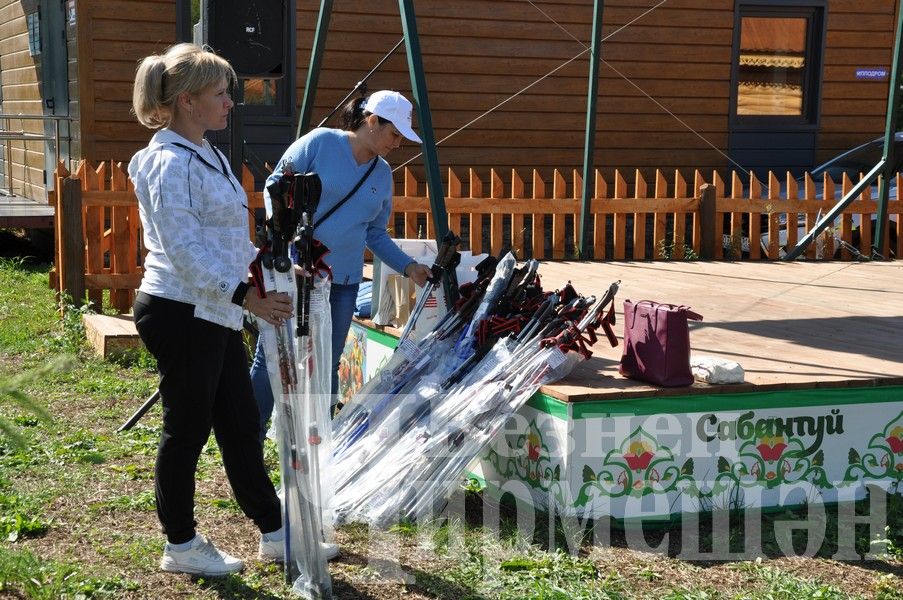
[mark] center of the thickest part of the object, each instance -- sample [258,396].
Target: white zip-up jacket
[195,219]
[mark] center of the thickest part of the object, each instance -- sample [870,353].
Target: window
[34,33]
[772,66]
[777,61]
[260,92]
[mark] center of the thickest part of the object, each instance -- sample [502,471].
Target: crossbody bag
[339,204]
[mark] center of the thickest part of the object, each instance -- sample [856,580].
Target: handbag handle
[693,316]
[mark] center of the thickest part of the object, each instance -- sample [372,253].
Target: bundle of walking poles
[401,445]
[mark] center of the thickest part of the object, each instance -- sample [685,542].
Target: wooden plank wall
[21,94]
[110,44]
[477,54]
[860,35]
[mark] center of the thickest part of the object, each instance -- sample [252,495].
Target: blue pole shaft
[590,135]
[421,101]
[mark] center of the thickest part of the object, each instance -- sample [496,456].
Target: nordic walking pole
[140,412]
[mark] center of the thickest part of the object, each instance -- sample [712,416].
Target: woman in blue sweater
[372,128]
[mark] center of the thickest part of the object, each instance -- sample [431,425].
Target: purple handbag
[657,343]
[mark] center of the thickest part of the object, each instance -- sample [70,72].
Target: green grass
[21,516]
[77,508]
[50,580]
[35,321]
[780,585]
[142,501]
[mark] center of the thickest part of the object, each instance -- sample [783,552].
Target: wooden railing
[517,220]
[99,233]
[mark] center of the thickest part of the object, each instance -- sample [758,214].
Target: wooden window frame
[815,11]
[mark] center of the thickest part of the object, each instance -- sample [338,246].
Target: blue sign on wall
[873,74]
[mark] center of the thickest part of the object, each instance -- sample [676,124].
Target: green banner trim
[381,338]
[734,402]
[549,405]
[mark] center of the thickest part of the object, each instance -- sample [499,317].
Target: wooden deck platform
[790,325]
[19,212]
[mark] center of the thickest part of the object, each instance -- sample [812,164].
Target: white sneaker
[201,558]
[275,550]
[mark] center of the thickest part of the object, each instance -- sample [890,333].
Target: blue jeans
[342,302]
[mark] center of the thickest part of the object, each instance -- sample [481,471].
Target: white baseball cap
[395,108]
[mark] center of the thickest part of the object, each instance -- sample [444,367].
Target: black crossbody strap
[339,204]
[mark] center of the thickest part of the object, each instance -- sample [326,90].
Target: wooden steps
[111,335]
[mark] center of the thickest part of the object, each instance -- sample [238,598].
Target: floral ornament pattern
[769,461]
[640,466]
[883,459]
[529,459]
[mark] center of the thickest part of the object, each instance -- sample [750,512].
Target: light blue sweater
[362,219]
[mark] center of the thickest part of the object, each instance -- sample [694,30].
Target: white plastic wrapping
[401,448]
[292,366]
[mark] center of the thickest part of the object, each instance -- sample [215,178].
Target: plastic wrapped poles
[305,562]
[408,463]
[314,363]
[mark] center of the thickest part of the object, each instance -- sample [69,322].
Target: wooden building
[685,84]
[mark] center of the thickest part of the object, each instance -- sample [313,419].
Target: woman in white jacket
[188,310]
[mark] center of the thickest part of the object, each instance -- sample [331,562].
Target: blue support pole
[313,71]
[421,103]
[590,134]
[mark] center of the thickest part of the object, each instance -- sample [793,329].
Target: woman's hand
[273,309]
[418,273]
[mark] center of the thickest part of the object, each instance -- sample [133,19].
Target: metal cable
[556,69]
[634,84]
[362,84]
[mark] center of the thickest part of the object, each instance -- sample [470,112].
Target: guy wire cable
[628,80]
[508,99]
[559,67]
[362,84]
[550,73]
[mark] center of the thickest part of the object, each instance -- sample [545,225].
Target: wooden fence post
[707,217]
[72,267]
[517,219]
[599,217]
[476,219]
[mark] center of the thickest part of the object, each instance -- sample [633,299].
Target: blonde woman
[188,310]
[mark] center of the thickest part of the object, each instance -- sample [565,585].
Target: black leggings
[204,384]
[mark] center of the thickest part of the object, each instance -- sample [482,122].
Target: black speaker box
[250,34]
